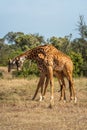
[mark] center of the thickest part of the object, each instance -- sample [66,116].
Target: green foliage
[62,44]
[29,41]
[29,68]
[11,36]
[4,52]
[8,51]
[84,68]
[78,62]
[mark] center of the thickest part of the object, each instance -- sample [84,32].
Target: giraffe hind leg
[71,88]
[63,95]
[61,80]
[72,92]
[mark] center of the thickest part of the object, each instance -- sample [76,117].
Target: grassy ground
[19,112]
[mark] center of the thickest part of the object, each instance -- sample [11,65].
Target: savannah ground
[19,112]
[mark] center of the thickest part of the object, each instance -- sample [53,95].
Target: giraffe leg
[50,70]
[68,70]
[72,91]
[60,85]
[46,85]
[63,87]
[40,84]
[60,77]
[71,88]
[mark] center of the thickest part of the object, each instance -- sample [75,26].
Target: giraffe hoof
[33,98]
[75,100]
[51,104]
[61,99]
[40,98]
[43,98]
[59,91]
[64,101]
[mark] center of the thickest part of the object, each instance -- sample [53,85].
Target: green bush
[28,69]
[78,62]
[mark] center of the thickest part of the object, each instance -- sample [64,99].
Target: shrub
[78,62]
[27,70]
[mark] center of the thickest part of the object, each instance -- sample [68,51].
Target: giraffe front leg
[37,89]
[50,72]
[40,84]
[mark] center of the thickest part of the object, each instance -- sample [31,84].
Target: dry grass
[19,112]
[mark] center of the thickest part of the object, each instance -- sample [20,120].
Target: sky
[46,17]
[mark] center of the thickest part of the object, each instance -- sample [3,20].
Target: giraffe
[53,60]
[57,61]
[19,60]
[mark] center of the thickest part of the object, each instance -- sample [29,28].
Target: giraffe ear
[40,55]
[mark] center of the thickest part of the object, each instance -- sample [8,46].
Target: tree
[78,63]
[29,41]
[4,52]
[82,27]
[62,44]
[10,36]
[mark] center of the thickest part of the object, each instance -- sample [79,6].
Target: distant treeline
[15,43]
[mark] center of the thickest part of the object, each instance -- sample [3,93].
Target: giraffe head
[17,62]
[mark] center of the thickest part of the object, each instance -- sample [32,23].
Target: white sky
[46,17]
